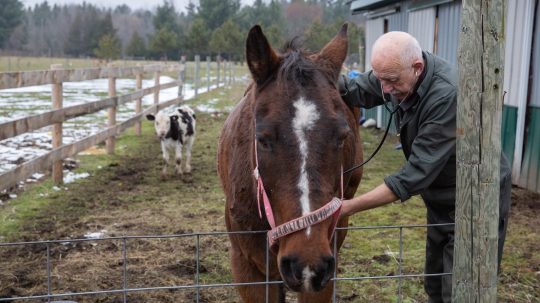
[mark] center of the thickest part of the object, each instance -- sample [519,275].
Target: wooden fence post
[138,102]
[231,80]
[208,59]
[156,83]
[182,76]
[479,110]
[218,62]
[111,112]
[57,100]
[196,79]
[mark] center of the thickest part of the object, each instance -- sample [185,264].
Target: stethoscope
[392,111]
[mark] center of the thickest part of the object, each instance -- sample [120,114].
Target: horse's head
[304,137]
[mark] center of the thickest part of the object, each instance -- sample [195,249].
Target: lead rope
[262,191]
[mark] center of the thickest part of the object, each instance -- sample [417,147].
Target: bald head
[397,47]
[397,62]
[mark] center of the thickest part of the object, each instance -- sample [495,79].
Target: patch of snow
[96,235]
[69,177]
[37,176]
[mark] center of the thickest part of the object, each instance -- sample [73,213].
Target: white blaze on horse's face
[306,115]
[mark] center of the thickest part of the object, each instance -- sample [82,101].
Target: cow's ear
[150,117]
[174,117]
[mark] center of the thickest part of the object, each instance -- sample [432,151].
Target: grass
[126,196]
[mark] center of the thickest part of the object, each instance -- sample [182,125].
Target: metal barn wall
[448,33]
[400,20]
[374,29]
[530,166]
[422,27]
[519,28]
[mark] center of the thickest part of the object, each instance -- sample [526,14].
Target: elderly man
[423,89]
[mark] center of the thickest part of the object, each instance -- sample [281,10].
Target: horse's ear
[261,58]
[335,51]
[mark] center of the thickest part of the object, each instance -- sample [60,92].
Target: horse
[285,146]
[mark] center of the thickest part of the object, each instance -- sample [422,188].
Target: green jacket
[426,124]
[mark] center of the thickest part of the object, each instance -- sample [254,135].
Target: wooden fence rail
[56,76]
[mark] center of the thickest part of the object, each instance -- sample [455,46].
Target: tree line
[214,27]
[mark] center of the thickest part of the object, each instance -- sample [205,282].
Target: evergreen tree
[108,47]
[11,15]
[136,46]
[228,39]
[216,12]
[74,43]
[163,43]
[166,17]
[198,37]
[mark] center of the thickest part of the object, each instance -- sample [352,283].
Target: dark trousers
[440,240]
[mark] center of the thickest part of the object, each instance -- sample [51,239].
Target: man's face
[396,79]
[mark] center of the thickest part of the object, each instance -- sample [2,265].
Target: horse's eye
[263,143]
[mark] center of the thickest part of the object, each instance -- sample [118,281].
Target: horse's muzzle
[302,277]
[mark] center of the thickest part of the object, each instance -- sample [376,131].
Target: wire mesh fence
[130,263]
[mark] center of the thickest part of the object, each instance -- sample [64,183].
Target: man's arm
[379,196]
[362,91]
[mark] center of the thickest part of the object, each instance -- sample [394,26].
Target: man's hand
[379,196]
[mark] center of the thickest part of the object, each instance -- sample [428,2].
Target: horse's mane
[295,65]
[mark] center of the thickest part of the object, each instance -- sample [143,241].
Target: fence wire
[197,286]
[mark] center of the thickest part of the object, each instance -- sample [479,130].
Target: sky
[134,4]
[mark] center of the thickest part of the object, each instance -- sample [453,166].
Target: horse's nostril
[323,273]
[291,271]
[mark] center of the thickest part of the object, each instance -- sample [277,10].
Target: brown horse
[294,131]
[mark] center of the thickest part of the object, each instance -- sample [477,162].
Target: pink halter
[331,209]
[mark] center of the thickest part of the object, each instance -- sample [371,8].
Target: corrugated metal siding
[519,32]
[517,51]
[535,66]
[530,172]
[422,27]
[530,167]
[399,21]
[374,29]
[508,131]
[448,32]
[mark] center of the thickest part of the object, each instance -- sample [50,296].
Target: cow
[175,130]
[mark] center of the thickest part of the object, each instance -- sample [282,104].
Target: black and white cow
[175,131]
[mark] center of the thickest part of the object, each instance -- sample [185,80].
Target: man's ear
[418,67]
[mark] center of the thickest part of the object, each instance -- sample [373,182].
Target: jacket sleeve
[362,91]
[431,149]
